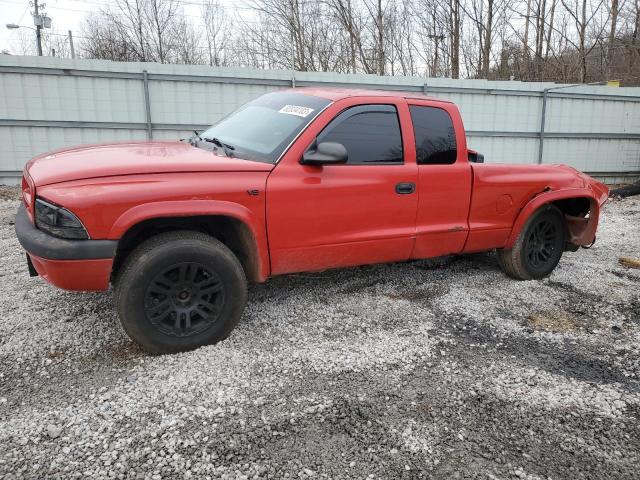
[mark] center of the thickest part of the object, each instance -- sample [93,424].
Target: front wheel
[539,247]
[179,291]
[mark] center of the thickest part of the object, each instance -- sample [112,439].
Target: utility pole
[381,59]
[37,19]
[437,37]
[73,52]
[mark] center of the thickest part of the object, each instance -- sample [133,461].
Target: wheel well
[576,207]
[580,218]
[230,231]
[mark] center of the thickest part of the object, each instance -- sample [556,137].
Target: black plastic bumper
[43,245]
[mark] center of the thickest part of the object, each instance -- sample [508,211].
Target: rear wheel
[539,247]
[179,291]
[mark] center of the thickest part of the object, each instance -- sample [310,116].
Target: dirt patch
[553,321]
[57,352]
[126,351]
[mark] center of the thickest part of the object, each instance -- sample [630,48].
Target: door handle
[405,188]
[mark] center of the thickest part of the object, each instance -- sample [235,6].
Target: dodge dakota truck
[298,180]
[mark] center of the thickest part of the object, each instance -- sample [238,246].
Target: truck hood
[106,160]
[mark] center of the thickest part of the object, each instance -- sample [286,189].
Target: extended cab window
[435,136]
[370,133]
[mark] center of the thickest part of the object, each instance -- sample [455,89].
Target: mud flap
[32,270]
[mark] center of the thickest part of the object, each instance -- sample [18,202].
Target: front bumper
[83,265]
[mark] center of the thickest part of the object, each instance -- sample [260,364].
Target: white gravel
[390,371]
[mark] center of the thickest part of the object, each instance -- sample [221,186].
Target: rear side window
[435,136]
[370,133]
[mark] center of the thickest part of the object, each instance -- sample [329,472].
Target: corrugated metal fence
[47,103]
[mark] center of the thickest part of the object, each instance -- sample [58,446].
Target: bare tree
[562,40]
[527,22]
[217,28]
[380,44]
[348,20]
[488,31]
[550,29]
[582,16]
[162,18]
[455,34]
[187,47]
[127,18]
[612,34]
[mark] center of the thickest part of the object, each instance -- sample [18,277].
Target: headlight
[58,221]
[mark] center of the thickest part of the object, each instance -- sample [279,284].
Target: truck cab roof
[335,94]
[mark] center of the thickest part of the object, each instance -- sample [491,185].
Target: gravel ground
[392,371]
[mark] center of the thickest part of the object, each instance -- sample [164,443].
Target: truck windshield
[262,129]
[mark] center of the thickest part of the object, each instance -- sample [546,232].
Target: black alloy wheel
[184,299]
[541,243]
[538,248]
[180,290]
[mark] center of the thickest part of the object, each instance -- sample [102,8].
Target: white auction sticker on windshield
[296,110]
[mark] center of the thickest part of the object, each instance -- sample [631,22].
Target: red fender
[585,233]
[148,211]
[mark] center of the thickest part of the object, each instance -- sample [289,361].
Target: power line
[90,11]
[109,4]
[234,6]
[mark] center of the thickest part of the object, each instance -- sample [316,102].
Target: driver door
[359,212]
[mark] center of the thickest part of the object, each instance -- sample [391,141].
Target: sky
[69,15]
[65,15]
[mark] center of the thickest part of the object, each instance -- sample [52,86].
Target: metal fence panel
[505,149]
[47,103]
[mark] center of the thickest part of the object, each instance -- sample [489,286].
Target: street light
[13,26]
[40,20]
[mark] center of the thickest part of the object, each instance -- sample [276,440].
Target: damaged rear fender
[581,226]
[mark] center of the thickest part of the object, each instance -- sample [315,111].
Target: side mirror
[325,153]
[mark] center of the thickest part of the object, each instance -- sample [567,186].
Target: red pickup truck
[296,180]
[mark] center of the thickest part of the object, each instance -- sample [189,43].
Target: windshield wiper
[226,148]
[193,139]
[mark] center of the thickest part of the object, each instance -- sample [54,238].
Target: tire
[180,290]
[538,248]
